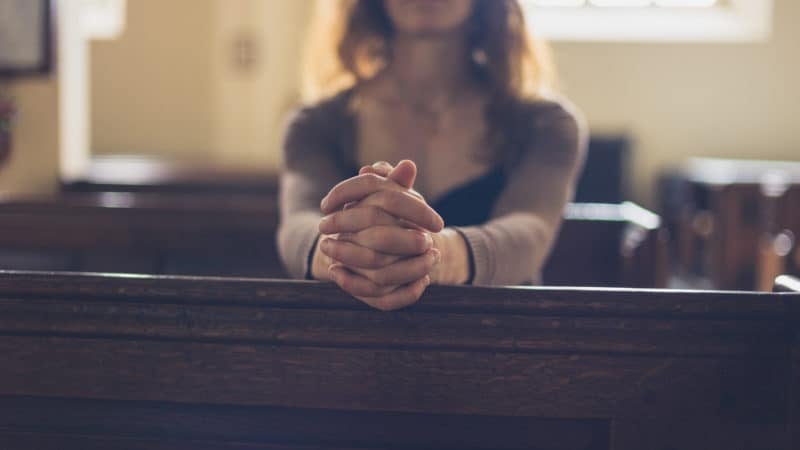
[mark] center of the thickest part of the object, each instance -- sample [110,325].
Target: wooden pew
[234,235]
[99,362]
[608,245]
[154,233]
[720,212]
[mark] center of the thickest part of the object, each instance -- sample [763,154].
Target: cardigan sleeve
[512,246]
[311,169]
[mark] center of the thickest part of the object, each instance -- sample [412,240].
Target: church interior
[144,303]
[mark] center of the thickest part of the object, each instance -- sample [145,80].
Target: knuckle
[384,199]
[372,180]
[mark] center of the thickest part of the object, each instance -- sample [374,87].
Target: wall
[251,104]
[33,165]
[682,100]
[170,85]
[151,89]
[676,100]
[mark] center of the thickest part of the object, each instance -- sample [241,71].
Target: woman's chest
[449,148]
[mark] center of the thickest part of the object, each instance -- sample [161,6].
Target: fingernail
[428,240]
[325,244]
[324,203]
[427,280]
[378,164]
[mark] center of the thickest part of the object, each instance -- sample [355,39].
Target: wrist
[320,262]
[454,265]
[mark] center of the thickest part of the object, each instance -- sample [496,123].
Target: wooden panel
[494,331]
[186,426]
[143,233]
[442,382]
[190,362]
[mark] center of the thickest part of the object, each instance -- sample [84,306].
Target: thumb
[404,174]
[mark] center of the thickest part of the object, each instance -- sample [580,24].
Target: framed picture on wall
[26,31]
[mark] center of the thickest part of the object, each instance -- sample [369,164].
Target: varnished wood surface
[91,361]
[142,233]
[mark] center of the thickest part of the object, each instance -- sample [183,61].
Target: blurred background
[207,84]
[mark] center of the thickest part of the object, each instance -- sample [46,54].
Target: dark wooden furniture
[152,233]
[234,235]
[719,211]
[608,245]
[128,173]
[606,172]
[114,362]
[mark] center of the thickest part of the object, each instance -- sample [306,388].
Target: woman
[457,92]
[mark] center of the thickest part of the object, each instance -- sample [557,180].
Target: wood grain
[90,361]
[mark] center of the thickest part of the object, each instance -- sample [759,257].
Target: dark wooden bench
[609,245]
[114,362]
[152,233]
[234,235]
[720,211]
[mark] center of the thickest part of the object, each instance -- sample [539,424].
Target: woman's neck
[430,69]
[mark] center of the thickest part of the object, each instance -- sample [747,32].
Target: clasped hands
[379,237]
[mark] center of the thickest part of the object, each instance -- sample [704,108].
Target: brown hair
[350,41]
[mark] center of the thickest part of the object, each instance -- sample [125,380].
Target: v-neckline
[350,151]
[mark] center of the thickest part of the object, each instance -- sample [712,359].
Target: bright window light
[651,20]
[687,3]
[618,3]
[559,3]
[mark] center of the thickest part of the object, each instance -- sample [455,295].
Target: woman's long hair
[350,42]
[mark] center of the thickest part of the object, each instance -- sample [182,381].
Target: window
[651,20]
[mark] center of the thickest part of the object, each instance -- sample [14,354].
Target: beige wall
[151,89]
[33,166]
[680,100]
[250,106]
[676,100]
[170,87]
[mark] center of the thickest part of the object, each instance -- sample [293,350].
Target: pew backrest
[92,361]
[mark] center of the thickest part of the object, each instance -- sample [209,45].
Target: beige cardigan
[549,141]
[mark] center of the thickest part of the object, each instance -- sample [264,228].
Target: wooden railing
[123,362]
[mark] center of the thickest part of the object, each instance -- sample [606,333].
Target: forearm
[509,250]
[454,267]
